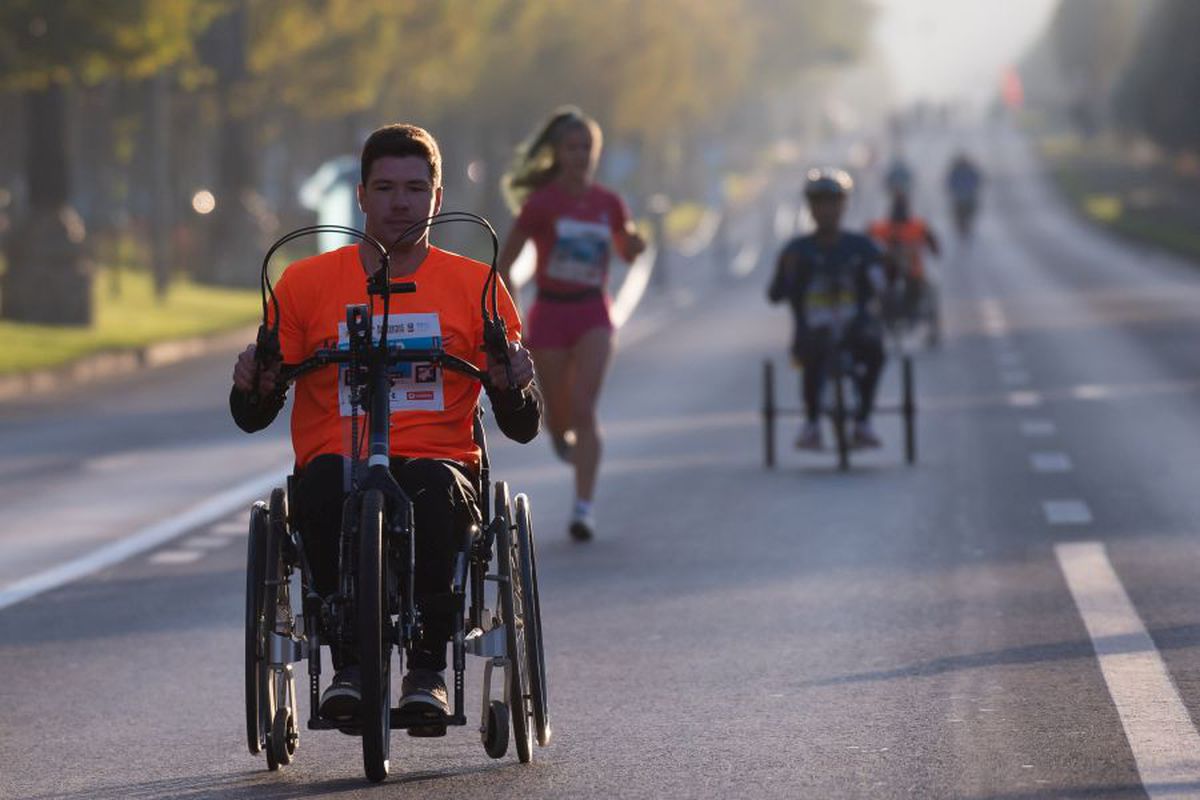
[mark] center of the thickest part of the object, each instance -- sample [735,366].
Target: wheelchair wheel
[284,736]
[495,730]
[374,638]
[512,615]
[535,652]
[256,576]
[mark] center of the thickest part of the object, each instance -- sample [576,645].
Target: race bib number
[580,252]
[414,386]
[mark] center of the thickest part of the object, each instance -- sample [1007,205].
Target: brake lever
[495,342]
[267,352]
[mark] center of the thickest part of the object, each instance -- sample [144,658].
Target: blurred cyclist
[963,182]
[905,238]
[899,177]
[832,279]
[576,225]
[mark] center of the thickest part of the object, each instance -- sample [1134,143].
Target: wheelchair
[494,588]
[839,389]
[499,619]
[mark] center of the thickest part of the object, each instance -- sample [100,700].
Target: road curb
[119,362]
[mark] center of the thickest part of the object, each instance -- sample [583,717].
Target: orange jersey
[904,241]
[432,409]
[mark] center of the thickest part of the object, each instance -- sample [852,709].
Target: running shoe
[423,692]
[341,699]
[865,436]
[582,527]
[810,437]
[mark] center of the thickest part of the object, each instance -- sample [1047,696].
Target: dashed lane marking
[1034,428]
[1165,744]
[203,513]
[1050,461]
[1025,399]
[1067,512]
[175,557]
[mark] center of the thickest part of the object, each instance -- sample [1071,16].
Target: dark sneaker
[865,436]
[341,700]
[582,527]
[809,438]
[423,693]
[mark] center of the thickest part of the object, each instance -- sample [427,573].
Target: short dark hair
[402,140]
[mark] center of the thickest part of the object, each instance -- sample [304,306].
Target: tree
[1157,93]
[44,49]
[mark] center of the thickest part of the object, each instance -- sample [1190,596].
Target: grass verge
[127,316]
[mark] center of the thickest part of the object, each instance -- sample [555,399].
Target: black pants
[814,350]
[445,502]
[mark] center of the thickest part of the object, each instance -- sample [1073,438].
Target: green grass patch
[127,316]
[1111,184]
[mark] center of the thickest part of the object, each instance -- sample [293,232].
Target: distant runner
[576,225]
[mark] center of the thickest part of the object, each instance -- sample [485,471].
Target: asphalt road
[1014,617]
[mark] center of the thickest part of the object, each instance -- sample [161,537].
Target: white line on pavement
[1050,461]
[204,512]
[207,542]
[1067,512]
[1164,742]
[1024,399]
[175,557]
[232,528]
[1038,427]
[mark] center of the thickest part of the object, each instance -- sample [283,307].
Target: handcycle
[497,612]
[910,301]
[839,388]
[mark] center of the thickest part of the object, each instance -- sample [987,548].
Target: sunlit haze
[943,49]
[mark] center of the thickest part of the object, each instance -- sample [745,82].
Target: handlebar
[395,355]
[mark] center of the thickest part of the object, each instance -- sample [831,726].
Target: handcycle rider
[434,456]
[832,278]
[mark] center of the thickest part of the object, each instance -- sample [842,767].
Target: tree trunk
[234,247]
[48,280]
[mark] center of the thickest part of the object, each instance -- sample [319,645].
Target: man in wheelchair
[434,456]
[832,278]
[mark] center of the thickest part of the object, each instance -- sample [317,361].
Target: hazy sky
[939,49]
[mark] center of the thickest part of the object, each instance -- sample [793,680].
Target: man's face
[827,210]
[398,193]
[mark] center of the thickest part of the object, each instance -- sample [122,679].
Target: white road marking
[175,557]
[995,323]
[1038,427]
[216,507]
[1165,744]
[1067,512]
[1050,461]
[1091,392]
[1025,399]
[236,527]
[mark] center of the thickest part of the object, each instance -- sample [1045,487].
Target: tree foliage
[1157,94]
[89,41]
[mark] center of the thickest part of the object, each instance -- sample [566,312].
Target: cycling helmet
[827,181]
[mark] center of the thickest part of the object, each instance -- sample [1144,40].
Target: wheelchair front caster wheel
[284,737]
[495,734]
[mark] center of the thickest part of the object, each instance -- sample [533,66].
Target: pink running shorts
[559,325]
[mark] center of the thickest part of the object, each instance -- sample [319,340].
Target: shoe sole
[434,711]
[339,708]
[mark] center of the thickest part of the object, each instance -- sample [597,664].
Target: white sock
[583,508]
